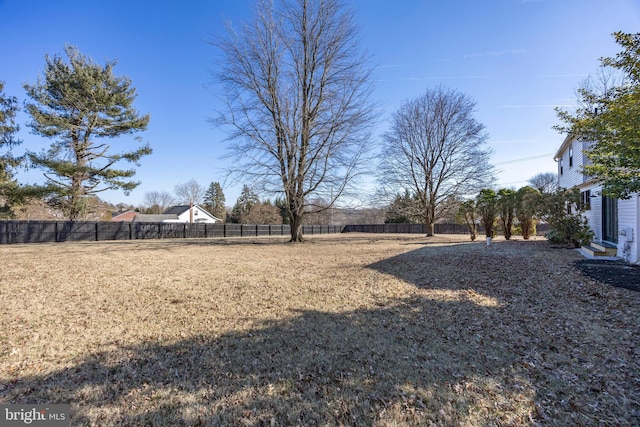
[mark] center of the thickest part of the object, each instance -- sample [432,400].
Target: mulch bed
[615,273]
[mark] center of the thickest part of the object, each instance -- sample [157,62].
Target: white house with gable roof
[615,222]
[185,213]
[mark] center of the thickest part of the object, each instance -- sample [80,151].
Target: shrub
[507,200]
[487,208]
[570,230]
[562,210]
[526,202]
[468,215]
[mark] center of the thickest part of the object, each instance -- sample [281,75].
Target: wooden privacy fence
[406,228]
[67,231]
[541,229]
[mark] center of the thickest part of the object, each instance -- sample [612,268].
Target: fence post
[97,231]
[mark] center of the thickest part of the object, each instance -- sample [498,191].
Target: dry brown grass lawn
[342,330]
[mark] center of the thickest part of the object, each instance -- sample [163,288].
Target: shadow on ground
[486,339]
[357,368]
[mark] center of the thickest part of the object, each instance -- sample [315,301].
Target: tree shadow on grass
[383,365]
[558,334]
[468,348]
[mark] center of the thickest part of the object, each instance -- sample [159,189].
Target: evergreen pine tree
[247,199]
[8,162]
[81,105]
[214,201]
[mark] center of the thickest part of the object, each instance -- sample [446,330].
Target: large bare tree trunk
[431,229]
[431,216]
[296,228]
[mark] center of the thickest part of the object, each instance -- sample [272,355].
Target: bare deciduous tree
[435,150]
[545,182]
[298,94]
[263,213]
[190,192]
[600,85]
[157,202]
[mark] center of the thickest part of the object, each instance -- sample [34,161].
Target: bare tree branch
[157,202]
[190,192]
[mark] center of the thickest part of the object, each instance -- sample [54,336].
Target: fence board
[143,230]
[262,230]
[248,230]
[171,230]
[451,229]
[195,230]
[275,230]
[215,230]
[233,230]
[76,231]
[28,232]
[114,231]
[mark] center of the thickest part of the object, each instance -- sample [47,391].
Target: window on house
[561,167]
[585,200]
[571,156]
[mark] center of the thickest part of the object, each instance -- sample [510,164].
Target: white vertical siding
[571,172]
[636,258]
[628,223]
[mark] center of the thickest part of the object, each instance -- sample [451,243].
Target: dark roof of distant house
[177,210]
[155,217]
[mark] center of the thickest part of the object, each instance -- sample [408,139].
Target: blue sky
[518,59]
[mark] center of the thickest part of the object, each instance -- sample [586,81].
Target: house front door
[609,219]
